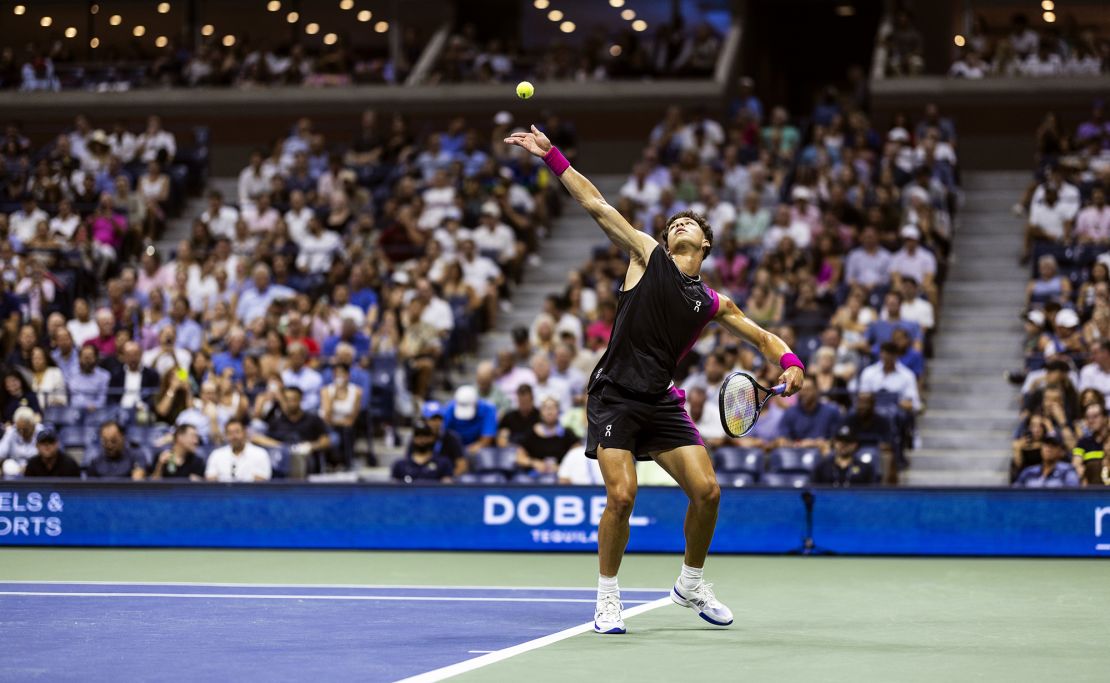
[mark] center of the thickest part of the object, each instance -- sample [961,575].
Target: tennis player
[634,410]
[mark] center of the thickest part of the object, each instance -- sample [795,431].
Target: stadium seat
[533,478]
[735,479]
[794,460]
[63,416]
[871,455]
[785,479]
[78,436]
[735,459]
[494,459]
[483,478]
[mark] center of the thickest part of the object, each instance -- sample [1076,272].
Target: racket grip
[778,390]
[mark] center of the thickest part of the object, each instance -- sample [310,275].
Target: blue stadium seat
[533,478]
[63,416]
[107,414]
[482,478]
[796,460]
[279,461]
[872,455]
[794,480]
[735,479]
[736,459]
[78,436]
[494,459]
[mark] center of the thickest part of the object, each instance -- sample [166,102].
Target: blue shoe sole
[703,615]
[612,631]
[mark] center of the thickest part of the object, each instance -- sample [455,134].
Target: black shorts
[636,422]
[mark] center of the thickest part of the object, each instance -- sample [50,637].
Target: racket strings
[741,405]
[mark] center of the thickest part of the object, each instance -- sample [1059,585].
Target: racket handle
[778,390]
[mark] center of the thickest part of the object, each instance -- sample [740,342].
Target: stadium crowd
[1063,436]
[1024,51]
[828,232]
[323,302]
[673,51]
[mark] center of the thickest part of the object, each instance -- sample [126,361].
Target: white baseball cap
[910,232]
[1066,317]
[466,402]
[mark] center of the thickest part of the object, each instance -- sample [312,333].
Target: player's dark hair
[706,229]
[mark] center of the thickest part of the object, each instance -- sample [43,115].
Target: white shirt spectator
[152,144]
[578,470]
[438,314]
[964,69]
[721,217]
[252,184]
[123,145]
[163,361]
[1094,377]
[13,446]
[260,222]
[222,224]
[556,388]
[1093,223]
[797,231]
[309,382]
[479,272]
[917,265]
[250,464]
[22,224]
[918,311]
[82,331]
[868,269]
[318,251]
[644,194]
[297,222]
[902,381]
[65,227]
[1068,197]
[1049,65]
[1049,219]
[498,239]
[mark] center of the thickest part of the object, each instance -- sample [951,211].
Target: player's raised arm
[637,244]
[773,348]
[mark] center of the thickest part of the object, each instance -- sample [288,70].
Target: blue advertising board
[848,521]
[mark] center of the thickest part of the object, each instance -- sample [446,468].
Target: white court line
[264,596]
[499,655]
[322,585]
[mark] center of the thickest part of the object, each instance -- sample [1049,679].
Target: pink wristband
[789,360]
[556,161]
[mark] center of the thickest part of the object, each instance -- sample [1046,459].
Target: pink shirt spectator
[1093,224]
[108,229]
[731,270]
[599,329]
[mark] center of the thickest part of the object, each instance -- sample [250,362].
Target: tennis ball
[524,90]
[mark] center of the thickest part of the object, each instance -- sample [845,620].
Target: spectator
[1096,374]
[340,403]
[880,331]
[188,332]
[47,380]
[232,357]
[423,463]
[167,357]
[301,432]
[1050,220]
[474,420]
[132,384]
[48,460]
[810,422]
[517,423]
[1027,448]
[916,308]
[912,260]
[254,300]
[1051,473]
[868,264]
[180,461]
[17,394]
[81,326]
[908,355]
[65,353]
[20,357]
[19,440]
[1092,224]
[115,459]
[350,332]
[1089,451]
[489,391]
[88,387]
[891,376]
[239,460]
[543,448]
[298,374]
[841,469]
[448,443]
[105,340]
[156,143]
[1049,285]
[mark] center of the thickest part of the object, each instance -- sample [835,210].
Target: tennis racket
[741,400]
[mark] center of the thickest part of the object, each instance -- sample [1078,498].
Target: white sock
[607,585]
[690,577]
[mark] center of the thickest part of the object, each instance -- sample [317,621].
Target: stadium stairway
[966,431]
[567,248]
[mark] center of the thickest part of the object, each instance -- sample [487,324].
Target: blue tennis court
[179,632]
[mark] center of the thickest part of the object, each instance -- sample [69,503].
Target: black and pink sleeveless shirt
[657,323]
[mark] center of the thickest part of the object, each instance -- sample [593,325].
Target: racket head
[740,399]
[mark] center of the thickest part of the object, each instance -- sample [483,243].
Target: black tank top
[657,322]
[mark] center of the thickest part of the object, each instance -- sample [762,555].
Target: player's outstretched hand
[792,377]
[535,142]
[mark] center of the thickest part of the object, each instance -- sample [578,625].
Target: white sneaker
[607,617]
[702,600]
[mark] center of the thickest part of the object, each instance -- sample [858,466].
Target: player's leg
[692,469]
[618,471]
